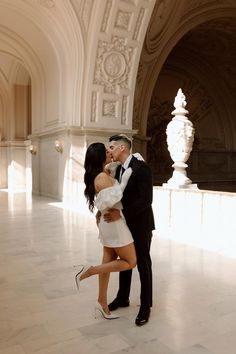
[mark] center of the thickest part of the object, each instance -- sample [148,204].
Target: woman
[104,192]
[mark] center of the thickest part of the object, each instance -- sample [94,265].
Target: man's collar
[127,161]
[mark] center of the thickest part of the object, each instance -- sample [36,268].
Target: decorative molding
[196,4]
[124,110]
[94,107]
[123,20]
[113,64]
[106,16]
[138,23]
[130,2]
[83,10]
[162,14]
[86,12]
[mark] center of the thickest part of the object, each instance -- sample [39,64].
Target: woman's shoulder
[103,180]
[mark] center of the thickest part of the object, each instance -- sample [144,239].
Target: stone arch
[146,84]
[53,54]
[22,54]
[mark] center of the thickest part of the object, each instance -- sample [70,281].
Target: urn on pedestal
[180,136]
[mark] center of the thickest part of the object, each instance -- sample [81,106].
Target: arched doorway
[198,56]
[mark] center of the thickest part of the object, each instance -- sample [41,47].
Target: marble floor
[41,311]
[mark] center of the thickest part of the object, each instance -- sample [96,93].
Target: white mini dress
[115,233]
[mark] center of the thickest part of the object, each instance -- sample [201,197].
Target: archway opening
[15,121]
[203,66]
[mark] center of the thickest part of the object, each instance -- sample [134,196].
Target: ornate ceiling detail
[123,20]
[113,64]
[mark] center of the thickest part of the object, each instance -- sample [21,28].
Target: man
[137,210]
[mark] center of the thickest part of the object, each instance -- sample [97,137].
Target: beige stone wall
[78,71]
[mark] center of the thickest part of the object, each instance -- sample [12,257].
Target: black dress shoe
[143,317]
[115,304]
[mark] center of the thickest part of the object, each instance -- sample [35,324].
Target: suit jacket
[137,198]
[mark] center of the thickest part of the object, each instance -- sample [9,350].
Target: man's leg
[144,264]
[122,297]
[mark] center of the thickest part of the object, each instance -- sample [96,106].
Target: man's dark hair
[121,137]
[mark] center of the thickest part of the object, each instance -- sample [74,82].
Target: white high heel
[98,308]
[78,275]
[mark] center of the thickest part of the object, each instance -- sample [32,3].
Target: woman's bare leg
[108,256]
[127,260]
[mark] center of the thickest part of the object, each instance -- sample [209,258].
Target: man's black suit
[137,210]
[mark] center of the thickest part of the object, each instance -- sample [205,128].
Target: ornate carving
[123,20]
[113,64]
[180,136]
[106,15]
[180,131]
[109,108]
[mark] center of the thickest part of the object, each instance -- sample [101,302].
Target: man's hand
[98,217]
[112,215]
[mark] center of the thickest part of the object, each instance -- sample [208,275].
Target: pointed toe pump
[98,309]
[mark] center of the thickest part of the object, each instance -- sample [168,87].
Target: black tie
[121,172]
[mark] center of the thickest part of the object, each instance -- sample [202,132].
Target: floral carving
[113,64]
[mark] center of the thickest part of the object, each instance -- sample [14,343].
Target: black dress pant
[144,264]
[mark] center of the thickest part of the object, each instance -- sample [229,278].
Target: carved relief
[109,108]
[123,20]
[113,64]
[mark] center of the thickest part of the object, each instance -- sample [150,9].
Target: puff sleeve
[108,197]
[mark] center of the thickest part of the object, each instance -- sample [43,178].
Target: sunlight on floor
[189,223]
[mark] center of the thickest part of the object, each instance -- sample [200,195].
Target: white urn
[180,137]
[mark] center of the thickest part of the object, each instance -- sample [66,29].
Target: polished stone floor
[41,311]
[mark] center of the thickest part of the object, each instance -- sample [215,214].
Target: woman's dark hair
[94,162]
